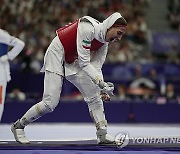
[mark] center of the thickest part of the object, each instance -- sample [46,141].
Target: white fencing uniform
[7,40]
[79,50]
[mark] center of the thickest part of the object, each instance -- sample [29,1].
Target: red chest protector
[67,36]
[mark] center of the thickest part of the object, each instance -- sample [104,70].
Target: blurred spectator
[137,71]
[125,54]
[173,55]
[140,34]
[113,51]
[168,96]
[16,94]
[32,21]
[142,88]
[121,92]
[153,74]
[174,14]
[170,93]
[143,81]
[147,92]
[120,53]
[175,20]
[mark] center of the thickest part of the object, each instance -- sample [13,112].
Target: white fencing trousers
[3,84]
[52,90]
[91,94]
[51,96]
[88,88]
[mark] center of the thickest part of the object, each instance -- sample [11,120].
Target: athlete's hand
[4,58]
[105,96]
[107,87]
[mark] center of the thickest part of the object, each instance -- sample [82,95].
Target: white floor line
[76,131]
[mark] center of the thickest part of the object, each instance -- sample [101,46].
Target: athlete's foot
[104,138]
[18,132]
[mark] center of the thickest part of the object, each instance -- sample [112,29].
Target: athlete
[7,40]
[78,53]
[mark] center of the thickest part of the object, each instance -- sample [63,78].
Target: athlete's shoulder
[4,36]
[90,19]
[87,24]
[3,32]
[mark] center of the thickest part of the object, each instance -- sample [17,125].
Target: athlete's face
[115,34]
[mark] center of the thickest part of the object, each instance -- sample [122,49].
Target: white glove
[4,58]
[107,87]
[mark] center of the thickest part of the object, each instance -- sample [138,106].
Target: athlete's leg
[91,94]
[3,85]
[52,90]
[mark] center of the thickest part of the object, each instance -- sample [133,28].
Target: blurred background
[144,66]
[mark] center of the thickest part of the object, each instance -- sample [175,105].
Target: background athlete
[6,41]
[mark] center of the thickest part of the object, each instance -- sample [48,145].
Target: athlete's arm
[85,34]
[16,43]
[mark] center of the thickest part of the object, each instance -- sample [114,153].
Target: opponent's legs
[91,94]
[52,90]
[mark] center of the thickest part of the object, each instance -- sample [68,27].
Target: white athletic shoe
[19,134]
[104,138]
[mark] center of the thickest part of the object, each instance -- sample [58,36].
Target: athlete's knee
[94,102]
[42,108]
[50,103]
